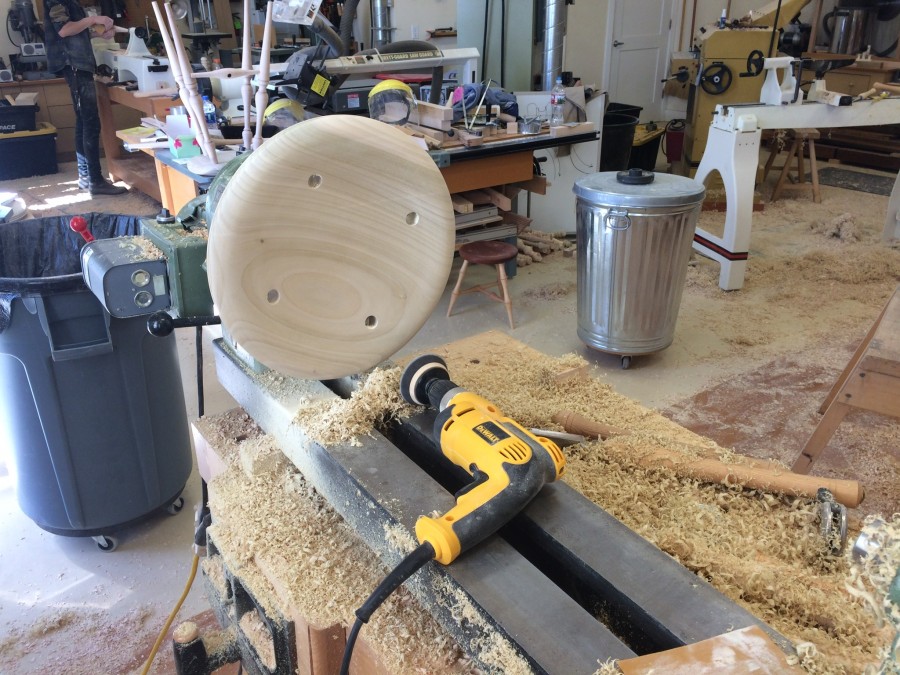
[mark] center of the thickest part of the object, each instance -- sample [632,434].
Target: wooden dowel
[881,86]
[192,99]
[756,474]
[247,64]
[262,95]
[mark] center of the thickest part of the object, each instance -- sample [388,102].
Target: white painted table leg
[735,156]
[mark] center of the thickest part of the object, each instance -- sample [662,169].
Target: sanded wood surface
[331,246]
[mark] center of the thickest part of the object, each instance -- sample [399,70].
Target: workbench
[383,485]
[138,169]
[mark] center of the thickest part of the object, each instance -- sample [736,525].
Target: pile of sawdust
[343,420]
[277,526]
[48,646]
[761,550]
[842,227]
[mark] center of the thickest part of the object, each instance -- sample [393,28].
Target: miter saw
[311,77]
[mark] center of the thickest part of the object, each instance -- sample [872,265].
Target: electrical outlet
[414,32]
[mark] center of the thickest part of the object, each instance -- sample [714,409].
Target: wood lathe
[535,587]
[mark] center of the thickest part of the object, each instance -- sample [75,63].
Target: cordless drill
[508,463]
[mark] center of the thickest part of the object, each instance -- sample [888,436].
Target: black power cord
[411,564]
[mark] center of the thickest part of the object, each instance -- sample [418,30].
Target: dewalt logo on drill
[490,432]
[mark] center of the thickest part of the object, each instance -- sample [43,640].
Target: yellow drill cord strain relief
[439,533]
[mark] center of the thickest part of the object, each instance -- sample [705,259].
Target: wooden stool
[870,381]
[495,253]
[797,138]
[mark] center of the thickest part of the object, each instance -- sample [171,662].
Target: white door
[639,54]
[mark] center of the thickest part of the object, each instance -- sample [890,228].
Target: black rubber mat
[856,180]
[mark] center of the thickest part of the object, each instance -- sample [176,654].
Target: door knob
[616,43]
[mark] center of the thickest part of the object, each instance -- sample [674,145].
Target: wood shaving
[762,551]
[260,637]
[280,521]
[344,420]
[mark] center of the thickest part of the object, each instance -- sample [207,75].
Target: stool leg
[501,277]
[776,193]
[774,151]
[455,294]
[814,171]
[801,173]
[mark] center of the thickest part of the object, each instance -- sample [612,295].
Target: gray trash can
[634,231]
[92,406]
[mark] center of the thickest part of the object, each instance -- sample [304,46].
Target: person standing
[67,35]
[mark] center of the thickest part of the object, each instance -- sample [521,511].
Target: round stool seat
[487,252]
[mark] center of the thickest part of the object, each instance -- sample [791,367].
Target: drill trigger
[479,477]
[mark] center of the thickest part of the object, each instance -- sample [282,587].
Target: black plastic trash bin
[92,405]
[615,145]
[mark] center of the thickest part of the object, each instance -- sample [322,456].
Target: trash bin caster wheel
[626,362]
[175,507]
[106,543]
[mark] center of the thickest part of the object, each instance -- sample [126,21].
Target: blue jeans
[87,123]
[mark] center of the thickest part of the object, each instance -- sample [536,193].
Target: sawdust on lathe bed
[762,551]
[343,420]
[278,521]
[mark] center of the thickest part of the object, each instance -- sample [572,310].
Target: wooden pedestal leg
[501,277]
[455,294]
[836,412]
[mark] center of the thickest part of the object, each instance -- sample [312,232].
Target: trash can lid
[665,190]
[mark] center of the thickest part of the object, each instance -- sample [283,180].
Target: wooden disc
[330,246]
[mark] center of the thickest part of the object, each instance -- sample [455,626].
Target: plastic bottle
[557,104]
[209,111]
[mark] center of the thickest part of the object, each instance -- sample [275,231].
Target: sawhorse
[870,381]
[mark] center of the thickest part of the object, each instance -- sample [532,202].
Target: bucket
[624,109]
[615,146]
[92,406]
[634,232]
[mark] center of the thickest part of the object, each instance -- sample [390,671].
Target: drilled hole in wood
[272,296]
[412,218]
[315,180]
[371,321]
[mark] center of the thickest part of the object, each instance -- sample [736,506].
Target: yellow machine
[727,68]
[510,465]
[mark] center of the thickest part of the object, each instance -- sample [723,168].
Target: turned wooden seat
[796,138]
[496,253]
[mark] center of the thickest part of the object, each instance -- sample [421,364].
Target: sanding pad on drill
[331,246]
[418,373]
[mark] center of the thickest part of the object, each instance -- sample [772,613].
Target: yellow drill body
[510,466]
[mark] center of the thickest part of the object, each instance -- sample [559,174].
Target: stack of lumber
[534,245]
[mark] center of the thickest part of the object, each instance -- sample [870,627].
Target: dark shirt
[70,52]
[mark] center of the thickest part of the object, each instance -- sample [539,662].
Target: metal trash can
[91,406]
[634,231]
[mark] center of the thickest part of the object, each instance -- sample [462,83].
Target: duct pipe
[347,24]
[554,36]
[381,23]
[324,29]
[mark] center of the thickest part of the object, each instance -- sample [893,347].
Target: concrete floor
[43,575]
